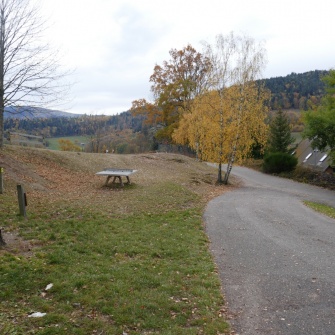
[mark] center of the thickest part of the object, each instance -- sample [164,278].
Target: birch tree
[221,77]
[29,70]
[251,112]
[228,117]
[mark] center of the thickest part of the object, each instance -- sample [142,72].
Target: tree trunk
[2,73]
[1,126]
[229,166]
[219,181]
[226,176]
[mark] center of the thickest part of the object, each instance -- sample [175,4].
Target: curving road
[275,256]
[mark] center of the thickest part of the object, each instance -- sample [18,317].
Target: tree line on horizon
[105,131]
[296,90]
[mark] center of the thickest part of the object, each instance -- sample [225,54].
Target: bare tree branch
[30,74]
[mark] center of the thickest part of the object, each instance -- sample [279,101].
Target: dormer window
[309,155]
[323,157]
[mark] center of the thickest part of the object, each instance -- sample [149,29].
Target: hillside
[33,113]
[128,133]
[107,260]
[296,90]
[72,175]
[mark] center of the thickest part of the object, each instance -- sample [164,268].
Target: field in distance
[53,143]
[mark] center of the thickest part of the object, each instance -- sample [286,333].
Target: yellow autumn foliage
[220,121]
[67,145]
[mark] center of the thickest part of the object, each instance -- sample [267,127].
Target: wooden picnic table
[116,173]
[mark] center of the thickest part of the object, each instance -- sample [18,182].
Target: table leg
[107,180]
[121,183]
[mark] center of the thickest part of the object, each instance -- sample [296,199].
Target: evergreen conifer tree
[280,133]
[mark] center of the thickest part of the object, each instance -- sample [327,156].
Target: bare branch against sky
[29,71]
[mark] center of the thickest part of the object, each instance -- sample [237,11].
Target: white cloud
[115,44]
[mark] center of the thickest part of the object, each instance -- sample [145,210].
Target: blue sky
[113,45]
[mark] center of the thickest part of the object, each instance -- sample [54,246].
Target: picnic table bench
[116,173]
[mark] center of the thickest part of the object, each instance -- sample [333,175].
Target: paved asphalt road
[275,256]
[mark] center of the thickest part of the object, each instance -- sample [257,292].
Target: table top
[116,172]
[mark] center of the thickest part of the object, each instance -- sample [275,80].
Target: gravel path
[275,256]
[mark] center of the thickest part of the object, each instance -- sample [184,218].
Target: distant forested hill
[296,90]
[78,125]
[31,113]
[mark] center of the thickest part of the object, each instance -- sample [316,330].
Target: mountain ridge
[295,90]
[26,112]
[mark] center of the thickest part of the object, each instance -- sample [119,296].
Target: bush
[279,162]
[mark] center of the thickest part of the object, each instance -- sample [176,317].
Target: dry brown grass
[53,176]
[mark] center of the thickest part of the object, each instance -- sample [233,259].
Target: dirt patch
[15,245]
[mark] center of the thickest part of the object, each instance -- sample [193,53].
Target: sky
[112,46]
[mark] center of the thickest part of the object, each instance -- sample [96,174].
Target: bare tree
[30,74]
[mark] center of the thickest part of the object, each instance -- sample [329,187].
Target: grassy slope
[132,260]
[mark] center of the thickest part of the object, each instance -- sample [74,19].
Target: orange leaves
[175,85]
[154,115]
[180,79]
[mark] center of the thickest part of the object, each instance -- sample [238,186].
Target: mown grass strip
[321,208]
[144,273]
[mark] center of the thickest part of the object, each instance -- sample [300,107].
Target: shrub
[67,145]
[279,162]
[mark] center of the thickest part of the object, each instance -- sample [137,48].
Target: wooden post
[1,179]
[2,242]
[22,200]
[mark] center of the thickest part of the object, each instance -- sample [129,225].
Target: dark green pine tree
[280,137]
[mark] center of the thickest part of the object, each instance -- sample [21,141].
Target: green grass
[143,273]
[324,209]
[144,270]
[54,145]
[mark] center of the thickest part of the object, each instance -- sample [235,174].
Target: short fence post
[22,200]
[2,242]
[1,179]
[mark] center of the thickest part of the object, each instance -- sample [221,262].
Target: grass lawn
[130,260]
[324,209]
[54,145]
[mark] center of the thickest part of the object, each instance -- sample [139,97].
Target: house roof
[312,158]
